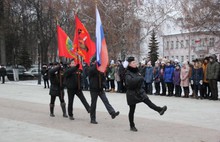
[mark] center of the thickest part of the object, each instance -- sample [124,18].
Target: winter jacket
[197,76]
[73,78]
[111,73]
[44,72]
[97,79]
[135,86]
[204,66]
[56,80]
[168,74]
[213,70]
[148,75]
[176,77]
[156,74]
[184,76]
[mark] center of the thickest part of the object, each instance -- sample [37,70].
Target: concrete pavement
[24,116]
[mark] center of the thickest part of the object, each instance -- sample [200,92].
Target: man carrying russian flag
[96,73]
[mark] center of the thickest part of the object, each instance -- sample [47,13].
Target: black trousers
[46,83]
[205,90]
[186,91]
[112,83]
[94,97]
[157,87]
[197,89]
[132,110]
[148,88]
[178,91]
[80,95]
[214,88]
[170,88]
[53,99]
[163,87]
[3,79]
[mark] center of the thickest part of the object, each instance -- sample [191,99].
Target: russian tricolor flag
[101,47]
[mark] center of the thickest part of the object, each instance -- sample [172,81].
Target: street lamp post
[39,61]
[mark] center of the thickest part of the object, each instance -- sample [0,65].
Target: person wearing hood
[212,76]
[135,92]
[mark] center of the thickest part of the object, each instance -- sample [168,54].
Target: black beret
[130,59]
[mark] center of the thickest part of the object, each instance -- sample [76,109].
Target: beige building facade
[189,46]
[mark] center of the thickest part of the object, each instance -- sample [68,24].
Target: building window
[211,42]
[187,57]
[172,57]
[193,57]
[171,45]
[201,56]
[182,58]
[193,42]
[177,57]
[177,44]
[167,44]
[187,43]
[181,44]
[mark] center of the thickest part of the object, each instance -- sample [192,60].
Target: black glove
[77,65]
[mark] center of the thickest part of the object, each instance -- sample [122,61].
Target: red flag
[83,44]
[65,46]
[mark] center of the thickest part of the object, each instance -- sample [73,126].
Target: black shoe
[115,114]
[52,115]
[71,118]
[93,122]
[134,129]
[164,108]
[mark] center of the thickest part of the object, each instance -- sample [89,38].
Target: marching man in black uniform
[97,83]
[135,92]
[57,88]
[73,82]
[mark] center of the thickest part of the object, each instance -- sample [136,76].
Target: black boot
[52,110]
[63,106]
[133,128]
[114,114]
[164,108]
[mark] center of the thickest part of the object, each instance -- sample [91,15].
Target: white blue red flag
[101,47]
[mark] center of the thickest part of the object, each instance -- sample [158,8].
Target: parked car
[21,70]
[32,72]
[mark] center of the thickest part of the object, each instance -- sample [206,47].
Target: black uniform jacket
[56,81]
[135,86]
[73,78]
[96,79]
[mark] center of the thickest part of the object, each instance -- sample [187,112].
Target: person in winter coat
[111,76]
[44,72]
[148,77]
[117,76]
[74,85]
[176,81]
[97,83]
[168,77]
[57,88]
[156,78]
[196,78]
[3,73]
[163,84]
[135,92]
[184,77]
[213,70]
[205,91]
